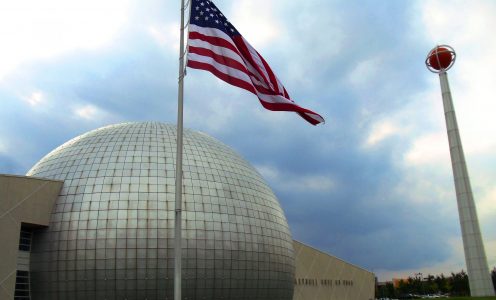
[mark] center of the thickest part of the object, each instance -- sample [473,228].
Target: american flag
[216,46]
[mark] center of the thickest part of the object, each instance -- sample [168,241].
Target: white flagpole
[179,167]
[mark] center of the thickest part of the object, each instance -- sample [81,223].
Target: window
[25,240]
[22,286]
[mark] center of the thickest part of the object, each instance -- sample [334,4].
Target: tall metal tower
[439,60]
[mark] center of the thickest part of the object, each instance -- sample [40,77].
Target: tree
[456,285]
[459,282]
[404,286]
[430,285]
[493,276]
[443,284]
[391,292]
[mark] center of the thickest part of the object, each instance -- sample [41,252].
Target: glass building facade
[112,227]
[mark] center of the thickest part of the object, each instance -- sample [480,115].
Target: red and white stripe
[236,62]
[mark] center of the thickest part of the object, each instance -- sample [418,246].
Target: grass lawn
[473,298]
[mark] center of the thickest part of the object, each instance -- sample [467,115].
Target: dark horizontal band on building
[324,282]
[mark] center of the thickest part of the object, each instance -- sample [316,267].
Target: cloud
[453,262]
[458,22]
[474,73]
[214,115]
[487,204]
[364,74]
[36,98]
[7,164]
[424,162]
[372,186]
[55,26]
[166,35]
[257,25]
[429,149]
[3,147]
[490,246]
[87,112]
[296,183]
[380,131]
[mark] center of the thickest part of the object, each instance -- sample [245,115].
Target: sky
[372,186]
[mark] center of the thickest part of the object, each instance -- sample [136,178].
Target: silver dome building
[111,230]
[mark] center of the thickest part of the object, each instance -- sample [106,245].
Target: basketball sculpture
[440,59]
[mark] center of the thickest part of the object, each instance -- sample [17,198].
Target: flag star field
[206,14]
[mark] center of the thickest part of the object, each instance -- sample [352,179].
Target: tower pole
[179,167]
[475,256]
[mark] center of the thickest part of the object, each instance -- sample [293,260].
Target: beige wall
[320,276]
[22,200]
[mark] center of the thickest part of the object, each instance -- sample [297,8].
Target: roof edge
[30,177]
[340,259]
